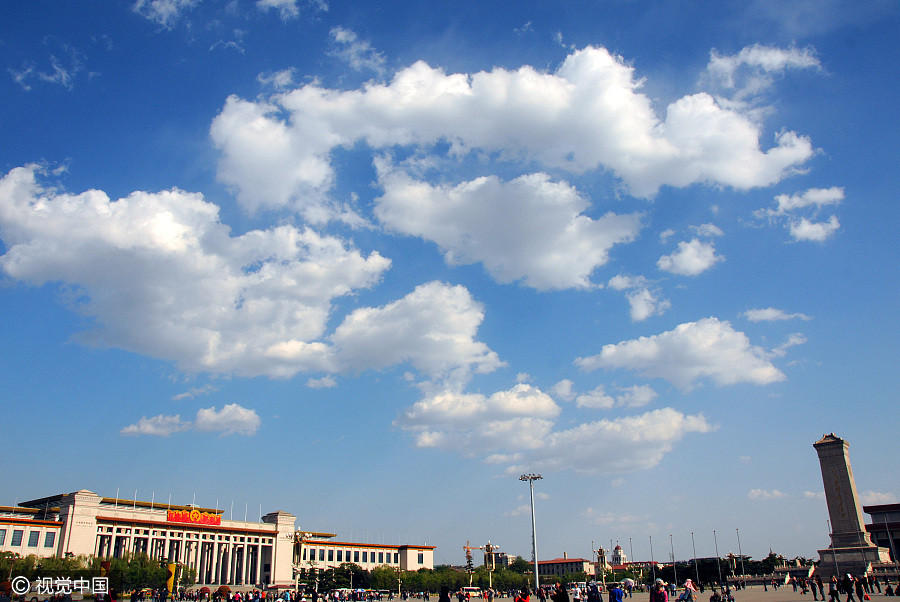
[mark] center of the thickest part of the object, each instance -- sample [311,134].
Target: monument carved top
[829,438]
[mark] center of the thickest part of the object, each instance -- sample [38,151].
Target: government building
[239,554]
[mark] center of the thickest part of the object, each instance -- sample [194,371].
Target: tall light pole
[674,568]
[696,570]
[531,478]
[718,564]
[652,564]
[741,552]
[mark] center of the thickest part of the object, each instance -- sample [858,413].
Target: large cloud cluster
[586,115]
[161,275]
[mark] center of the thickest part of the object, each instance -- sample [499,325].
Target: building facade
[321,553]
[220,551]
[885,527]
[565,566]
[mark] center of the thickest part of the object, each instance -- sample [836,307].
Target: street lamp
[718,564]
[531,478]
[740,551]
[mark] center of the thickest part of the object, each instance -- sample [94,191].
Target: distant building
[618,556]
[565,566]
[885,527]
[497,560]
[317,551]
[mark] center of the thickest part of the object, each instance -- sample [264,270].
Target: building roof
[562,560]
[881,508]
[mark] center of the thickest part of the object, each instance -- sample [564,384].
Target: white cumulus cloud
[232,419]
[810,202]
[357,53]
[772,314]
[690,258]
[765,494]
[596,398]
[163,12]
[160,275]
[530,229]
[433,328]
[878,497]
[563,390]
[589,114]
[705,349]
[804,229]
[751,71]
[516,427]
[644,300]
[159,426]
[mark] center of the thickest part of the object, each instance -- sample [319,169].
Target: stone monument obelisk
[851,548]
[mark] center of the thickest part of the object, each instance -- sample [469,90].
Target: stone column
[847,525]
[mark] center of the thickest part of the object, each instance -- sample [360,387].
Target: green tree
[520,565]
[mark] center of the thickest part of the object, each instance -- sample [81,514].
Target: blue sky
[368,263]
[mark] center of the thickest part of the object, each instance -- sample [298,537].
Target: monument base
[855,560]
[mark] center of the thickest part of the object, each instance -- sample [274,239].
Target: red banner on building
[194,517]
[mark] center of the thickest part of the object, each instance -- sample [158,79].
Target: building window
[17,537]
[330,555]
[304,553]
[49,539]
[380,557]
[2,536]
[396,557]
[322,554]
[355,555]
[340,556]
[421,558]
[365,557]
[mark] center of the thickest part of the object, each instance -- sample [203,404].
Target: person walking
[658,592]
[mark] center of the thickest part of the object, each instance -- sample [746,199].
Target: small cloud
[792,341]
[665,235]
[358,54]
[707,230]
[805,227]
[643,299]
[65,62]
[814,495]
[520,510]
[765,494]
[806,230]
[878,497]
[563,390]
[635,396]
[523,377]
[195,392]
[617,482]
[526,28]
[159,426]
[690,258]
[163,12]
[277,79]
[744,459]
[232,419]
[772,314]
[596,398]
[326,382]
